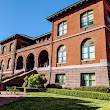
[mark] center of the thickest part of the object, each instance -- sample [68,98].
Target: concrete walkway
[6,99]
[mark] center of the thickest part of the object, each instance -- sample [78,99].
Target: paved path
[6,99]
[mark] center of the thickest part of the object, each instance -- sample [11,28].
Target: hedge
[20,88]
[26,89]
[35,89]
[76,93]
[84,94]
[94,88]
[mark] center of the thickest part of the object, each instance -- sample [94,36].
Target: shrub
[94,88]
[54,86]
[35,80]
[20,88]
[84,94]
[35,89]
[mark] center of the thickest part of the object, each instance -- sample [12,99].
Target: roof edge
[13,36]
[64,10]
[42,35]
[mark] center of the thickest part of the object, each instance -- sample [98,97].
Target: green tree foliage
[34,80]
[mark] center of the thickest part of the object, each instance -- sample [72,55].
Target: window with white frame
[62,54]
[88,79]
[87,19]
[2,65]
[60,79]
[9,64]
[88,50]
[4,50]
[62,28]
[11,47]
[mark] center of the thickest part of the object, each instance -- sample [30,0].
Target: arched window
[88,49]
[62,54]
[2,65]
[4,50]
[62,28]
[11,47]
[9,64]
[43,59]
[87,19]
[19,63]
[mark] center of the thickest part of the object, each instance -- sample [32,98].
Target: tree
[34,80]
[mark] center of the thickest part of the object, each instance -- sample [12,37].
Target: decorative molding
[7,72]
[74,35]
[7,55]
[107,28]
[50,42]
[43,48]
[17,71]
[81,66]
[43,68]
[33,47]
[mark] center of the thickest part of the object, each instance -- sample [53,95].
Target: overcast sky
[28,16]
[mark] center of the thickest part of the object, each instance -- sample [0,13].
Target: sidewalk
[6,99]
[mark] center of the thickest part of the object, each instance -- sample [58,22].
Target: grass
[49,101]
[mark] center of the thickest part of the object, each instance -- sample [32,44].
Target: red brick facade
[45,48]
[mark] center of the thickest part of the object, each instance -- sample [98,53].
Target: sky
[28,16]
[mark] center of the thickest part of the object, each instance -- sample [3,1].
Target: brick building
[75,53]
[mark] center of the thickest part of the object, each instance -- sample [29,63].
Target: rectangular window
[62,28]
[62,57]
[87,19]
[92,52]
[88,79]
[11,47]
[88,52]
[4,50]
[60,79]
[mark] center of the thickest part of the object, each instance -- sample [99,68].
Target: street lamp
[1,76]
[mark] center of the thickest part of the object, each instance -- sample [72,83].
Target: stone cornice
[103,64]
[6,55]
[74,35]
[33,46]
[50,42]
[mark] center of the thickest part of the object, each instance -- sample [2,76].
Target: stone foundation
[73,76]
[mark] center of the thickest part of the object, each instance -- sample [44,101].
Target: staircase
[16,79]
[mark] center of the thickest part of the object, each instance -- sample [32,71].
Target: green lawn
[49,101]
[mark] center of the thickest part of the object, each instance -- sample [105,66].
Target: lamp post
[1,76]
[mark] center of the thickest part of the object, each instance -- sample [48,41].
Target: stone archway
[19,63]
[43,59]
[30,62]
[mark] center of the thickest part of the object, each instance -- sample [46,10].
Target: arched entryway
[30,62]
[43,59]
[19,63]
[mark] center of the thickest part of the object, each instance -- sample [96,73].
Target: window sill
[88,60]
[9,69]
[11,51]
[61,35]
[61,63]
[86,27]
